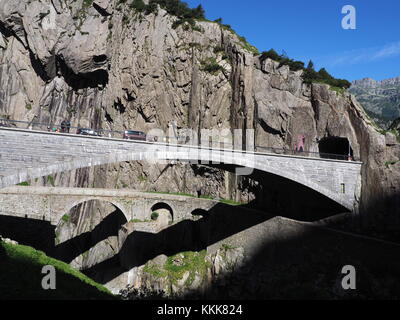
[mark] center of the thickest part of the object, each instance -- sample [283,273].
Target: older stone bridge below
[51,204]
[27,154]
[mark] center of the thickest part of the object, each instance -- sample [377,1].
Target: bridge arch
[72,203]
[200,213]
[74,240]
[305,171]
[297,176]
[165,208]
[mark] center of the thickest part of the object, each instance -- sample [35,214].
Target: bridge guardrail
[181,140]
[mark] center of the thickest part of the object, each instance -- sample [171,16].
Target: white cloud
[391,50]
[363,55]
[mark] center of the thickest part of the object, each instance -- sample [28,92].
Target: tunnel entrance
[335,146]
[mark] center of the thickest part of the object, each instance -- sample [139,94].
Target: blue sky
[312,29]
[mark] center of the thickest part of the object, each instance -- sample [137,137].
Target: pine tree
[310,65]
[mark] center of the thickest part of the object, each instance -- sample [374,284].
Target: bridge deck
[28,154]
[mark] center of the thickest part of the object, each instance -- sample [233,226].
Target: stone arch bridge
[50,204]
[27,154]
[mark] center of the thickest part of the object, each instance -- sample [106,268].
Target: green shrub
[187,23]
[220,50]
[282,59]
[243,42]
[151,8]
[322,76]
[173,7]
[390,163]
[87,3]
[138,5]
[154,216]
[211,65]
[309,74]
[271,54]
[50,179]
[195,45]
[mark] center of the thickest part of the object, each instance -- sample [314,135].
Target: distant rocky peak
[365,83]
[371,83]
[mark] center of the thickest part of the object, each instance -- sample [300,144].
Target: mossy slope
[21,277]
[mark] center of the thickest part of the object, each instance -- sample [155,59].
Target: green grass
[227,247]
[247,46]
[192,262]
[242,40]
[66,218]
[383,131]
[174,194]
[219,50]
[154,216]
[390,163]
[50,179]
[373,123]
[140,221]
[21,277]
[155,270]
[331,87]
[24,184]
[230,202]
[195,45]
[211,65]
[396,133]
[337,89]
[87,3]
[225,201]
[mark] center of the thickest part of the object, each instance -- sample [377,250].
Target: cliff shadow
[92,79]
[39,234]
[284,197]
[299,261]
[380,217]
[284,259]
[68,250]
[140,247]
[304,262]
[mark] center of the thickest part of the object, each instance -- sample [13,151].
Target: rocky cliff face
[381,99]
[101,64]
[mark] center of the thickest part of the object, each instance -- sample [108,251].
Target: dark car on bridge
[134,135]
[65,126]
[88,132]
